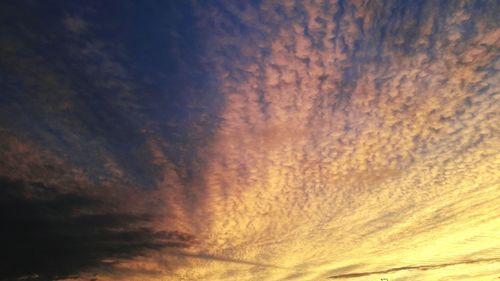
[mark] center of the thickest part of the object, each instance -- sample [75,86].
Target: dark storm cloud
[51,235]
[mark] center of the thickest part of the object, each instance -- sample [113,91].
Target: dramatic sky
[250,140]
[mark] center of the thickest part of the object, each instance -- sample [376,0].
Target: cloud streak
[221,259]
[415,267]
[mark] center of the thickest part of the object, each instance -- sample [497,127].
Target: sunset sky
[250,140]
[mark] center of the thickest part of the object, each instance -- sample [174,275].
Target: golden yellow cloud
[344,151]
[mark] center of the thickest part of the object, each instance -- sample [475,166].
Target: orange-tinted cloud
[356,139]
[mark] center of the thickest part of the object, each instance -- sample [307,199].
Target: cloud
[75,24]
[342,137]
[297,140]
[416,267]
[220,259]
[54,235]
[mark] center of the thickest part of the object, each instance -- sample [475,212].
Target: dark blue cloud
[54,235]
[133,67]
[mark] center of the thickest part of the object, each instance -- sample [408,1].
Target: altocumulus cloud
[286,140]
[354,132]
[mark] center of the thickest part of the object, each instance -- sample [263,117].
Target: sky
[250,140]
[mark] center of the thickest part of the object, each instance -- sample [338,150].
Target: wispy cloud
[219,259]
[415,267]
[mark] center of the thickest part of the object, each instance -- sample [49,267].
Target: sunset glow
[250,140]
